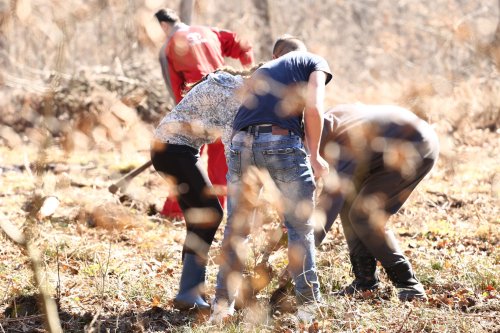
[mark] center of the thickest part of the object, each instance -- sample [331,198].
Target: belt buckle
[268,128]
[260,128]
[265,128]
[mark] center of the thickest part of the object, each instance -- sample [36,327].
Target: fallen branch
[21,319]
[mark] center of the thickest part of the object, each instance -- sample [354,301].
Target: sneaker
[222,311]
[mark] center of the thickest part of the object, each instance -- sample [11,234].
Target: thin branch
[94,319]
[49,306]
[105,272]
[405,320]
[6,291]
[58,287]
[24,318]
[24,239]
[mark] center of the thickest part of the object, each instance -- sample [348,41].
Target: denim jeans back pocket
[282,164]
[234,165]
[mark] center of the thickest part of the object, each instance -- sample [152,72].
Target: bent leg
[390,165]
[203,213]
[233,251]
[292,174]
[381,193]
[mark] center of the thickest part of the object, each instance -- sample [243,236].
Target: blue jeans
[284,157]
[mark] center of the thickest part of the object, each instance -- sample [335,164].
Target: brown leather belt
[273,129]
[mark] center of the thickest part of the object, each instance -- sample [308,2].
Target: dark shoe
[404,279]
[364,268]
[192,279]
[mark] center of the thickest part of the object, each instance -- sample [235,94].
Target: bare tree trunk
[187,10]
[493,49]
[496,39]
[5,12]
[263,27]
[5,18]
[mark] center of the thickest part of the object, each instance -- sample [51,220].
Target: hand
[320,166]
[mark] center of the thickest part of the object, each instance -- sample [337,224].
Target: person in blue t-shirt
[281,118]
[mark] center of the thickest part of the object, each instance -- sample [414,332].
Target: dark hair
[287,43]
[167,15]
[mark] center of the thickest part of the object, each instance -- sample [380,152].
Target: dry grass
[429,56]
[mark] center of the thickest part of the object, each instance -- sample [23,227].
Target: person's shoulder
[218,30]
[301,55]
[311,55]
[203,28]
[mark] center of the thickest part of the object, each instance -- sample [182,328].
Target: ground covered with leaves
[113,262]
[79,115]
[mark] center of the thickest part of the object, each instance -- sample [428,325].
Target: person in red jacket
[188,54]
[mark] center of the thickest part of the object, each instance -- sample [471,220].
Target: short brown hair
[287,43]
[167,15]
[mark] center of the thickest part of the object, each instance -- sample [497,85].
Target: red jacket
[194,51]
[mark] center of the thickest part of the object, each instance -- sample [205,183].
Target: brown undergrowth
[112,262]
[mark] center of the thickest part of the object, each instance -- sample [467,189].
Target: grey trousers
[379,159]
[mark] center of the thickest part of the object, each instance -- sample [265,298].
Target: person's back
[194,51]
[277,92]
[347,118]
[191,52]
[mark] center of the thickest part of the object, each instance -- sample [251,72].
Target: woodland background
[81,91]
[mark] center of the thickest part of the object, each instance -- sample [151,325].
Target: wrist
[314,155]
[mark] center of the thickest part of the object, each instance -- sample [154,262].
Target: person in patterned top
[203,115]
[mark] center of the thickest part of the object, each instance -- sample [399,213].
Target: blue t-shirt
[276,92]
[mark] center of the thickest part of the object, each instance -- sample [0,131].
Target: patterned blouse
[204,114]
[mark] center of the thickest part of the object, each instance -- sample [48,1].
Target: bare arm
[313,121]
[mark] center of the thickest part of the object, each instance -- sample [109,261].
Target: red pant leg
[217,167]
[171,208]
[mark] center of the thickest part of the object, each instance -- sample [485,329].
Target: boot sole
[410,298]
[182,306]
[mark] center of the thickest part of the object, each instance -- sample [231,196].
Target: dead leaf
[155,302]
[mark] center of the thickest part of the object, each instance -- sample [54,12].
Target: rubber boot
[189,296]
[405,281]
[364,267]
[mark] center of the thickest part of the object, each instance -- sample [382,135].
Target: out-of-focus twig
[49,306]
[25,238]
[105,272]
